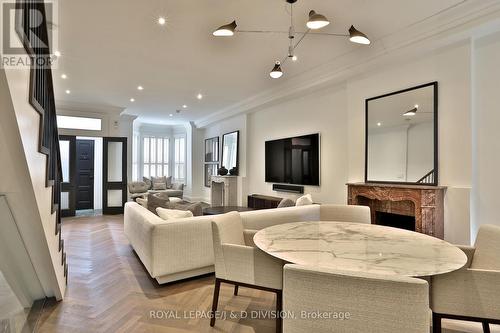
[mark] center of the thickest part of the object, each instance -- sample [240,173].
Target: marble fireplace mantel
[224,190]
[425,203]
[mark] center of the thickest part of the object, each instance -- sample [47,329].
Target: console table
[257,201]
[424,203]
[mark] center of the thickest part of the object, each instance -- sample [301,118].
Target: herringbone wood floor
[110,291]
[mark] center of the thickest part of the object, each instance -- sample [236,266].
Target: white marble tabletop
[360,247]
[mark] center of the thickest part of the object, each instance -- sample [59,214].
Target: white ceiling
[110,47]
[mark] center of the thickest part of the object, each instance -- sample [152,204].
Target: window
[155,157]
[79,123]
[180,158]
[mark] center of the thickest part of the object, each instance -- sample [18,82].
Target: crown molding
[467,20]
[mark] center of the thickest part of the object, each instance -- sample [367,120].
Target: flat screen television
[293,160]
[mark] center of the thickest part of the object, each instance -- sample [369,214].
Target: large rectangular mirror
[401,136]
[230,146]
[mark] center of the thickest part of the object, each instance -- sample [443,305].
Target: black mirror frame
[436,134]
[237,151]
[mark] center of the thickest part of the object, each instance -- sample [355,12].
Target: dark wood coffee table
[225,209]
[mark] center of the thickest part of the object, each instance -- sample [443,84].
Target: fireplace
[395,220]
[413,207]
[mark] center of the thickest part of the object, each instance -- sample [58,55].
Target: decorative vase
[233,171]
[222,171]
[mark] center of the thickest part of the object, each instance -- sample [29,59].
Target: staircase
[41,97]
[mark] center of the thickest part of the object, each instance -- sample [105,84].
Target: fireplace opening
[395,220]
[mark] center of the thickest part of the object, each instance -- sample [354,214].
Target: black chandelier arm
[329,34]
[262,31]
[303,33]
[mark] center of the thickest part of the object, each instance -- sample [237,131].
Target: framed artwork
[212,150]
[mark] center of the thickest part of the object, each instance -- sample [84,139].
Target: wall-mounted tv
[294,160]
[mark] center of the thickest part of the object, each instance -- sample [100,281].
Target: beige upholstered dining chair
[325,300]
[345,213]
[473,292]
[238,264]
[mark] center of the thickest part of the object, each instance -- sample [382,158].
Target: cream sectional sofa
[179,249]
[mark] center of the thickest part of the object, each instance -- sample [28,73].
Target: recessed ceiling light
[68,91]
[199,96]
[171,115]
[162,20]
[132,100]
[379,124]
[295,58]
[184,106]
[57,53]
[140,88]
[64,76]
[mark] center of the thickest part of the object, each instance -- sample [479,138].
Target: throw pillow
[143,202]
[304,200]
[155,202]
[162,179]
[159,186]
[137,187]
[286,203]
[173,214]
[148,182]
[195,208]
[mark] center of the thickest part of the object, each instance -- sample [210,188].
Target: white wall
[323,112]
[338,113]
[387,154]
[486,140]
[238,123]
[451,67]
[420,150]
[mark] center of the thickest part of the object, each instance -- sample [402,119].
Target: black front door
[84,174]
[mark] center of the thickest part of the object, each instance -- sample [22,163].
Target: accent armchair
[326,300]
[238,264]
[473,292]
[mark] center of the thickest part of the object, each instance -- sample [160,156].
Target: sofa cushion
[159,186]
[286,203]
[155,202]
[304,200]
[137,187]
[173,214]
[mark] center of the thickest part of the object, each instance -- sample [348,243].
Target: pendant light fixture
[412,112]
[315,22]
[226,30]
[276,72]
[357,36]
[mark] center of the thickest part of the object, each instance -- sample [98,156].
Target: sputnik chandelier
[315,22]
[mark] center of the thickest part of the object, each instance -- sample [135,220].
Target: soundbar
[288,188]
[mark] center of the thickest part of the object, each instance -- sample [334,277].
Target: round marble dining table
[360,247]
